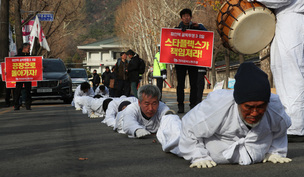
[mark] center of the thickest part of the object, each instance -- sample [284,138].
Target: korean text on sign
[190,48]
[23,68]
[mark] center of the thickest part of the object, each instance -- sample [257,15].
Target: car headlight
[64,80]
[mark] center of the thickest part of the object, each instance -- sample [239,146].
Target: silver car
[78,76]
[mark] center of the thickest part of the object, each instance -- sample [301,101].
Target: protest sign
[192,47]
[23,69]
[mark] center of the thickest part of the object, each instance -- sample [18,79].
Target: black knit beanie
[251,84]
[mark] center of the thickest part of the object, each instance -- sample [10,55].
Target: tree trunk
[4,26]
[265,64]
[213,71]
[18,28]
[4,42]
[227,58]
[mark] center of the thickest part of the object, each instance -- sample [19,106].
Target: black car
[56,84]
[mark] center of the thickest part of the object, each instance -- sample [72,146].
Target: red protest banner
[3,71]
[22,69]
[10,84]
[191,47]
[13,84]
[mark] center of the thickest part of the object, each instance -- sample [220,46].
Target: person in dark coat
[95,80]
[122,79]
[133,70]
[106,77]
[27,85]
[196,89]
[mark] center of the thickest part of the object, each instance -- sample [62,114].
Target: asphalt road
[55,140]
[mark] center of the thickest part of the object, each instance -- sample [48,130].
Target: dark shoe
[28,109]
[7,105]
[17,108]
[181,109]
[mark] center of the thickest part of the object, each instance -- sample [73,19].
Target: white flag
[38,32]
[12,44]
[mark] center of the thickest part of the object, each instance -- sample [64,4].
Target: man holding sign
[27,85]
[186,49]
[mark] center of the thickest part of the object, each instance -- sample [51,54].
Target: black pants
[8,94]
[112,92]
[181,71]
[28,87]
[123,88]
[200,86]
[159,84]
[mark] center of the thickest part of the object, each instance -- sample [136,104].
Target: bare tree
[58,32]
[140,28]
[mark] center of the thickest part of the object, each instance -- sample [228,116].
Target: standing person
[112,79]
[248,126]
[8,93]
[95,80]
[106,77]
[133,70]
[201,72]
[27,85]
[121,72]
[181,70]
[159,70]
[287,59]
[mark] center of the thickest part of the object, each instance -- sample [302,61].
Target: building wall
[99,60]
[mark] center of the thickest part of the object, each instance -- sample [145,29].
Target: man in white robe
[102,90]
[94,106]
[287,59]
[112,110]
[118,126]
[143,117]
[244,126]
[84,89]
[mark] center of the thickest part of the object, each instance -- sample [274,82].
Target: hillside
[99,19]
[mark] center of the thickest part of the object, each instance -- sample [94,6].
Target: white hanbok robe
[133,119]
[99,92]
[213,130]
[79,93]
[287,59]
[94,106]
[112,110]
[118,124]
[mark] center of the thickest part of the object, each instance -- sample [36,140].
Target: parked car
[56,84]
[78,76]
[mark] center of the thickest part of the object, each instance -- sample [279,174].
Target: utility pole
[4,24]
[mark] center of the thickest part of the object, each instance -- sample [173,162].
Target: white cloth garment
[168,133]
[80,101]
[119,123]
[94,106]
[110,114]
[104,94]
[118,119]
[213,131]
[79,93]
[287,59]
[134,120]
